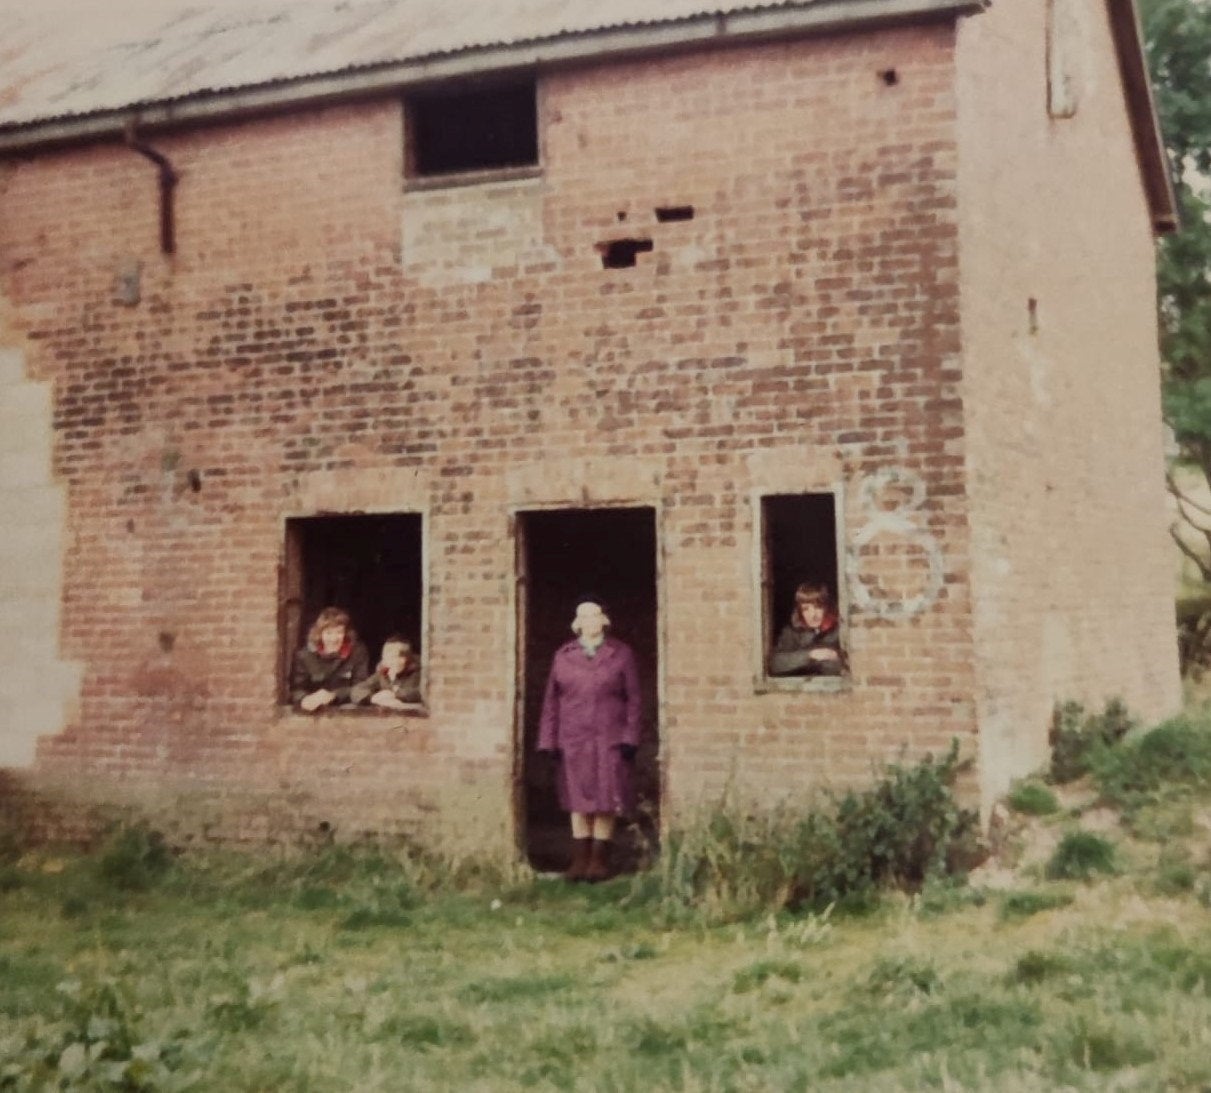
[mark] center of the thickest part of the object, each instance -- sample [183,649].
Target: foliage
[1175,753]
[1177,35]
[903,831]
[1076,736]
[1033,799]
[1079,855]
[134,858]
[1023,904]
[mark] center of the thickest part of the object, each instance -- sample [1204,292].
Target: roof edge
[1150,145]
[563,49]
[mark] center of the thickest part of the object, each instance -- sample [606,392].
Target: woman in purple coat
[590,722]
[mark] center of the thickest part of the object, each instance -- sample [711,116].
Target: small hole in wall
[130,527]
[167,640]
[890,77]
[621,253]
[1032,312]
[194,478]
[622,215]
[668,213]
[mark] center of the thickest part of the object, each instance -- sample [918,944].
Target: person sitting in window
[333,660]
[810,644]
[396,682]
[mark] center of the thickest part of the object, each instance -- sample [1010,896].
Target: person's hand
[627,751]
[387,700]
[316,699]
[823,654]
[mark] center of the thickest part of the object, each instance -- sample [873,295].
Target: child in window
[327,667]
[396,682]
[810,644]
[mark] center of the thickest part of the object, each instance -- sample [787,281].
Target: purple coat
[592,707]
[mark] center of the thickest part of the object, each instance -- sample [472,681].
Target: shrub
[134,858]
[1033,799]
[1075,736]
[1079,855]
[1176,752]
[900,833]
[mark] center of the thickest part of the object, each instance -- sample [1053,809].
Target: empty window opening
[801,625]
[622,253]
[669,213]
[371,566]
[472,129]
[890,77]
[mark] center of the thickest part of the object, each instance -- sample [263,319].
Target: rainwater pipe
[168,183]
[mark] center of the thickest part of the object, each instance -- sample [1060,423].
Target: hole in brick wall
[669,213]
[194,478]
[324,827]
[890,77]
[130,526]
[621,215]
[167,640]
[622,253]
[1032,312]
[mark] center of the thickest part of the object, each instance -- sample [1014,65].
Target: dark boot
[599,862]
[580,860]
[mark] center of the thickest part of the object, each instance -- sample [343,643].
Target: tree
[1177,36]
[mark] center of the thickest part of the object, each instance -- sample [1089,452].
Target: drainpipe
[168,183]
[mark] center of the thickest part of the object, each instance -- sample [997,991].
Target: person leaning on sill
[395,683]
[810,644]
[327,667]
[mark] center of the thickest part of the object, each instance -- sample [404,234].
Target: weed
[1033,799]
[515,988]
[752,977]
[134,859]
[1017,905]
[423,1031]
[1034,967]
[903,974]
[1079,855]
[1076,736]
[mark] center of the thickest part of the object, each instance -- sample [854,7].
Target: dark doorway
[561,555]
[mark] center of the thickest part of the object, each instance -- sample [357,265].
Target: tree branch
[1185,548]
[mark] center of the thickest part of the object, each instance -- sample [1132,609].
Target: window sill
[800,684]
[358,713]
[472,178]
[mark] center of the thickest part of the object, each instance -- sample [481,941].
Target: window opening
[368,565]
[622,253]
[667,214]
[472,129]
[802,630]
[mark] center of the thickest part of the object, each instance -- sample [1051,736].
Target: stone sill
[471,178]
[807,685]
[356,713]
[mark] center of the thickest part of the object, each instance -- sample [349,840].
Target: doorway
[562,554]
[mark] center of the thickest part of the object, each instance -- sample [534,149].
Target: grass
[346,969]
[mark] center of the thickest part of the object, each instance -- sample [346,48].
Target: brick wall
[325,341]
[1072,570]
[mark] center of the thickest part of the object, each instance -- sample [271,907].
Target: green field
[1078,958]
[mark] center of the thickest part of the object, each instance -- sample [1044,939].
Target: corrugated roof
[54,68]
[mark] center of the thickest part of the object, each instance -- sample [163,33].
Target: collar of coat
[607,647]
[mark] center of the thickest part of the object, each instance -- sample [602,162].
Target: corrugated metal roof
[53,67]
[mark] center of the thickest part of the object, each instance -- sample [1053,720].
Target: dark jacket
[590,717]
[791,656]
[405,686]
[313,671]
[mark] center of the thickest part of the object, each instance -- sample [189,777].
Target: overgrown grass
[374,969]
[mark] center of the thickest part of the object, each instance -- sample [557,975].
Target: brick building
[449,321]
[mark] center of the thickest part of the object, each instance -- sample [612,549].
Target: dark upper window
[799,564]
[371,566]
[472,129]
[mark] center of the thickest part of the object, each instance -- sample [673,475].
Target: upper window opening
[365,572]
[801,619]
[472,129]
